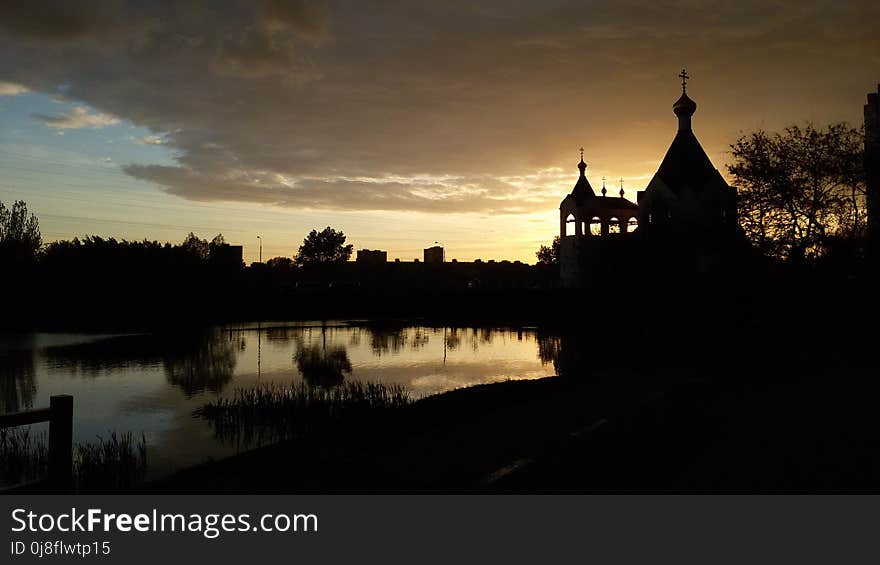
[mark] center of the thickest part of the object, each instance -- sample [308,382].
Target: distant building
[872,168]
[371,256]
[227,256]
[435,254]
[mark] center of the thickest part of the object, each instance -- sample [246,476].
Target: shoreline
[680,430]
[466,440]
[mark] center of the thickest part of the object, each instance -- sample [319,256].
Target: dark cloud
[57,19]
[254,53]
[307,17]
[365,105]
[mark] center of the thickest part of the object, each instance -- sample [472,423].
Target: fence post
[61,443]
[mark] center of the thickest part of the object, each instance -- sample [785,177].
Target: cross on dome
[684,76]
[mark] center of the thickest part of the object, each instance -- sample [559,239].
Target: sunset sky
[401,123]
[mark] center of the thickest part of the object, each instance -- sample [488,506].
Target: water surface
[150,384]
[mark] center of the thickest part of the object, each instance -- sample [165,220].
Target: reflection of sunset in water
[152,383]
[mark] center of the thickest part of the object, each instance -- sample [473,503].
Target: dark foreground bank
[811,428]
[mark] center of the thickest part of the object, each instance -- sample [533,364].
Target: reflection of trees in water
[354,338]
[420,338]
[204,362]
[549,347]
[193,362]
[322,365]
[383,341]
[91,358]
[481,336]
[487,335]
[568,351]
[282,335]
[17,380]
[453,339]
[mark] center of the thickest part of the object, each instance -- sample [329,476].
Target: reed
[24,456]
[273,413]
[116,463]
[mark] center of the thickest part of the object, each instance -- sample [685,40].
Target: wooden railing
[59,414]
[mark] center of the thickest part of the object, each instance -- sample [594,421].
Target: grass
[116,463]
[24,456]
[272,413]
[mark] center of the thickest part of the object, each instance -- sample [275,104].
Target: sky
[401,123]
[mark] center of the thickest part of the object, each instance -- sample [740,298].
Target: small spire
[684,107]
[684,76]
[621,187]
[603,186]
[581,165]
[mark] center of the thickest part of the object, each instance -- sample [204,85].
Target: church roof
[685,163]
[584,196]
[582,191]
[616,202]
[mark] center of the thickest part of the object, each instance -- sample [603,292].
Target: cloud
[12,89]
[419,194]
[254,53]
[152,140]
[306,17]
[436,106]
[77,118]
[57,19]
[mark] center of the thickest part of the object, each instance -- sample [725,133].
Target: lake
[152,383]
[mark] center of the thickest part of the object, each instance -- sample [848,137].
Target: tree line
[105,281]
[21,246]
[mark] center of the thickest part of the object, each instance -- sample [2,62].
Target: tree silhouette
[20,238]
[196,246]
[549,255]
[280,263]
[323,248]
[800,189]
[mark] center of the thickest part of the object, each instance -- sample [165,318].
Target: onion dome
[684,106]
[582,190]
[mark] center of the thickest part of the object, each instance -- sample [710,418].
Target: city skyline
[399,125]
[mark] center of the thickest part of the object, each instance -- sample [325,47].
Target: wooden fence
[59,414]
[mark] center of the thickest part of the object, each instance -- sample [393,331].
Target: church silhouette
[686,201]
